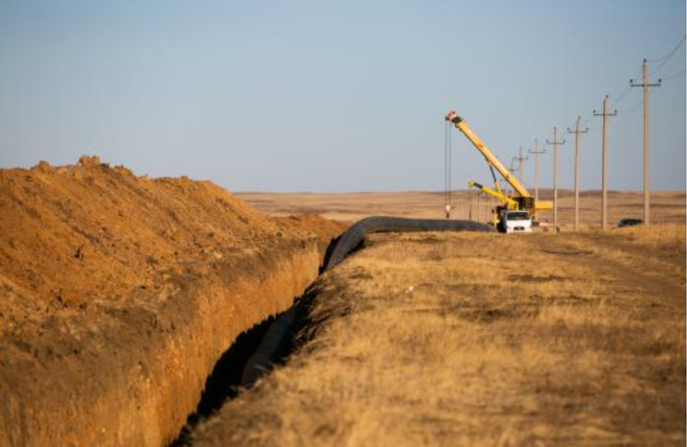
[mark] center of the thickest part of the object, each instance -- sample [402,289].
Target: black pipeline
[277,340]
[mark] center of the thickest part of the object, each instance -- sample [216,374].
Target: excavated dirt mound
[120,292]
[324,229]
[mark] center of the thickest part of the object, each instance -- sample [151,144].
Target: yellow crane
[522,200]
[512,204]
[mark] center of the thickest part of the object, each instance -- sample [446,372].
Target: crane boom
[502,197]
[518,187]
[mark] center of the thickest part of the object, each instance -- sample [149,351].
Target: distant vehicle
[630,222]
[515,222]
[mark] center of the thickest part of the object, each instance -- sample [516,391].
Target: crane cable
[450,166]
[446,163]
[447,168]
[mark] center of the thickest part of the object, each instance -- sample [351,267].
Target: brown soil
[324,229]
[120,292]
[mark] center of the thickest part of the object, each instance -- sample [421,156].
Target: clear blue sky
[346,96]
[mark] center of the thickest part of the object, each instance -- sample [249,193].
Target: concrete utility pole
[520,158]
[555,143]
[577,133]
[536,153]
[604,159]
[645,86]
[505,187]
[513,170]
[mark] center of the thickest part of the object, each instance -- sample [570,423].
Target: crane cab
[514,221]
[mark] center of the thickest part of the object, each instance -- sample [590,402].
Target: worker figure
[544,225]
[448,211]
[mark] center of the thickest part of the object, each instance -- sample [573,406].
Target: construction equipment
[515,213]
[507,217]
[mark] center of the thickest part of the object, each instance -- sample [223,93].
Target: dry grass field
[667,207]
[483,339]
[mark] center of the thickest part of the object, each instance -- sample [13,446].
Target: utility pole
[645,86]
[555,143]
[520,158]
[577,133]
[513,169]
[536,153]
[505,187]
[604,160]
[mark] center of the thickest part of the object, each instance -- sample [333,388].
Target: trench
[253,354]
[258,350]
[223,382]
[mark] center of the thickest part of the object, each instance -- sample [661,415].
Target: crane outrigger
[513,213]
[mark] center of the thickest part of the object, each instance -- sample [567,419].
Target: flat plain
[666,206]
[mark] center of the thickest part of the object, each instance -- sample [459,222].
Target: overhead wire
[614,101]
[637,105]
[617,99]
[673,76]
[623,95]
[671,52]
[667,58]
[632,108]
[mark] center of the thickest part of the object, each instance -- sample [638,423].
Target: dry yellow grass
[667,207]
[484,339]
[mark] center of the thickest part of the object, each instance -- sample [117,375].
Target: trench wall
[130,374]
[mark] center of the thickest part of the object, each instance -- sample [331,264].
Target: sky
[340,96]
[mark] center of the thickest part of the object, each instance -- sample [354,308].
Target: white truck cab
[515,222]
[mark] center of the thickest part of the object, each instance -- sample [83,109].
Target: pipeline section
[352,238]
[276,342]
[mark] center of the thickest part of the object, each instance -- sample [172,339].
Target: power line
[617,99]
[626,91]
[620,97]
[673,76]
[668,57]
[633,108]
